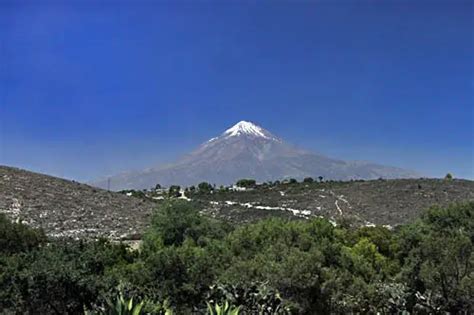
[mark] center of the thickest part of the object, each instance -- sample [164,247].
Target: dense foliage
[16,237]
[246,183]
[195,264]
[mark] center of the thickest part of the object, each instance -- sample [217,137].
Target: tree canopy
[192,263]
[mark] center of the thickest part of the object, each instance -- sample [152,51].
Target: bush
[17,237]
[275,266]
[174,191]
[440,277]
[62,277]
[246,183]
[205,188]
[176,220]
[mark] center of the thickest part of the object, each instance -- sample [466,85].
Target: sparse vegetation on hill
[67,208]
[375,202]
[190,263]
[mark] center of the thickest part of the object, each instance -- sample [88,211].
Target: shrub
[205,188]
[271,266]
[17,237]
[246,183]
[62,277]
[174,191]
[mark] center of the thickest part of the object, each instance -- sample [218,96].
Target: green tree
[437,256]
[181,254]
[448,176]
[174,191]
[205,188]
[246,183]
[17,237]
[61,278]
[176,220]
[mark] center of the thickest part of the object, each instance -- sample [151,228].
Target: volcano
[247,150]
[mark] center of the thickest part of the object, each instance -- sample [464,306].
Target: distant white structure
[238,188]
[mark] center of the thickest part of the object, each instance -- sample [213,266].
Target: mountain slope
[380,202]
[249,151]
[66,208]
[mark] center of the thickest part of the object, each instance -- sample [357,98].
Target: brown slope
[381,202]
[67,208]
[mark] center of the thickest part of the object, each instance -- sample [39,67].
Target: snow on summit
[247,150]
[246,128]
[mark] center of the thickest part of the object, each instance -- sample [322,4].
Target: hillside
[67,208]
[380,202]
[249,151]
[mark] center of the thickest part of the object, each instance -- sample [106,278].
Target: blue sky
[91,88]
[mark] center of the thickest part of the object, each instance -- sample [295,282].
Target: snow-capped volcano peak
[247,150]
[247,128]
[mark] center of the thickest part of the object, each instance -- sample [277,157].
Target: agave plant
[123,306]
[120,306]
[225,309]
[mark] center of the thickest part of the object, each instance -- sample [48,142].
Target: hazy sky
[89,88]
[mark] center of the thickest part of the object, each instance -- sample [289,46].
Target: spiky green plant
[120,306]
[225,309]
[123,306]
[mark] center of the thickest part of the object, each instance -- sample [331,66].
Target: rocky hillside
[68,208]
[381,202]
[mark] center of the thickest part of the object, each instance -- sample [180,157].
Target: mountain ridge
[248,150]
